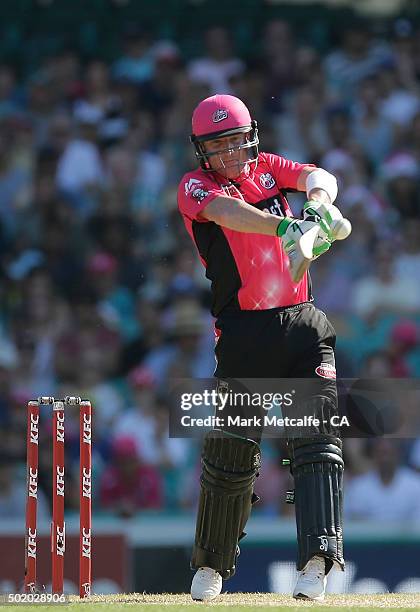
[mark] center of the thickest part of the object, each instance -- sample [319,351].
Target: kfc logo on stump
[60,541]
[31,543]
[60,427]
[87,429]
[326,370]
[220,115]
[267,181]
[34,428]
[86,543]
[33,483]
[87,483]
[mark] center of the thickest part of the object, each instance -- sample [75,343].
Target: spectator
[45,315]
[115,302]
[219,64]
[98,96]
[372,130]
[381,293]
[147,423]
[407,263]
[358,57]
[10,100]
[129,484]
[65,71]
[400,174]
[139,421]
[403,341]
[400,104]
[13,493]
[136,64]
[157,93]
[388,492]
[42,104]
[187,355]
[80,172]
[277,62]
[14,185]
[88,330]
[302,131]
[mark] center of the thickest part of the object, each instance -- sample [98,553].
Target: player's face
[227,159]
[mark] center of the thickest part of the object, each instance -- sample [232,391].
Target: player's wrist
[320,179]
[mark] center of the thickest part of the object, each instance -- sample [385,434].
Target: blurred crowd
[103,296]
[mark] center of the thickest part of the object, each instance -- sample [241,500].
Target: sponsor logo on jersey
[326,370]
[267,180]
[276,205]
[220,115]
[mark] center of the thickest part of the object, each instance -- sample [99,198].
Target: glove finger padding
[329,217]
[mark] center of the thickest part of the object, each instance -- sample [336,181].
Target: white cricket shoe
[312,580]
[206,584]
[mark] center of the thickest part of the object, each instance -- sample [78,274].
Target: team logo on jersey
[191,185]
[199,194]
[326,370]
[219,115]
[267,181]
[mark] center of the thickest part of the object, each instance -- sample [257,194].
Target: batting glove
[303,240]
[329,217]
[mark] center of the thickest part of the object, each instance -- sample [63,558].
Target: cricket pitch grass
[252,601]
[244,602]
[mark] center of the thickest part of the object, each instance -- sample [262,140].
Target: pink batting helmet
[219,116]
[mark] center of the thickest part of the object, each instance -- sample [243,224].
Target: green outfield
[139,602]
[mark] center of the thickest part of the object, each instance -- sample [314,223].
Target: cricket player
[257,256]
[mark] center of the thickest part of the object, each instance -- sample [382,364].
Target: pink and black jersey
[247,271]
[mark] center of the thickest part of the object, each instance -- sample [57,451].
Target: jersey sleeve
[195,192]
[285,171]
